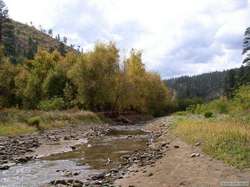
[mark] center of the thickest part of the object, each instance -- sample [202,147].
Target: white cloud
[177,37]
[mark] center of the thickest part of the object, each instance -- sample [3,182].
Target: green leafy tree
[94,76]
[8,72]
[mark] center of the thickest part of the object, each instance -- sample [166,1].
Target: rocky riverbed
[21,149]
[95,155]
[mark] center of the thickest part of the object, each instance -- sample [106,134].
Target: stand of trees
[94,81]
[206,86]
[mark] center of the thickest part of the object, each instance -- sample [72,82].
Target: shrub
[53,104]
[208,114]
[242,97]
[181,113]
[34,121]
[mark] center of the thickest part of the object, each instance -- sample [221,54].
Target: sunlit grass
[17,122]
[15,129]
[225,139]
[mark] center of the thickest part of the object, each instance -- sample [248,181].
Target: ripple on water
[40,172]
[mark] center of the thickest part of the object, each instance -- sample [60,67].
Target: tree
[135,74]
[54,84]
[157,95]
[94,76]
[50,32]
[230,83]
[9,39]
[242,97]
[58,37]
[7,33]
[246,47]
[8,72]
[62,49]
[65,40]
[35,78]
[32,48]
[93,80]
[3,17]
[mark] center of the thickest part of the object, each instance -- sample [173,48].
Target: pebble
[150,174]
[4,167]
[195,155]
[98,176]
[198,144]
[176,146]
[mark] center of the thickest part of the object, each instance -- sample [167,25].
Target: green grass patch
[15,129]
[227,139]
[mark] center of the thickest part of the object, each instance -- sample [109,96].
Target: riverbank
[76,138]
[182,164]
[153,153]
[15,122]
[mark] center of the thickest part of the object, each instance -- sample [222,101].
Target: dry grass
[16,122]
[225,139]
[15,129]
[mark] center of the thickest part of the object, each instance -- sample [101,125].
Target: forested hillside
[29,38]
[21,41]
[209,86]
[206,86]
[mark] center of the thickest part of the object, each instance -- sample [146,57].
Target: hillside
[206,86]
[209,86]
[25,32]
[22,41]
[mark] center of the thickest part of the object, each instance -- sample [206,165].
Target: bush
[242,97]
[34,121]
[181,113]
[221,106]
[208,114]
[53,104]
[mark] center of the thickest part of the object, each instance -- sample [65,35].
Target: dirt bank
[181,165]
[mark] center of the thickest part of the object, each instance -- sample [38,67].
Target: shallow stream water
[88,159]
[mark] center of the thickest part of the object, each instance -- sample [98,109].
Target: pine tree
[246,47]
[3,17]
[33,47]
[7,33]
[9,39]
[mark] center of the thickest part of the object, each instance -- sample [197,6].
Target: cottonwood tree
[94,75]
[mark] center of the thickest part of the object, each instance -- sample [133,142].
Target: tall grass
[225,139]
[15,129]
[16,122]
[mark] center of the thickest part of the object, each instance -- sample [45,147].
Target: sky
[177,37]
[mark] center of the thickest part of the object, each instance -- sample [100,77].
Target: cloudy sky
[177,37]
